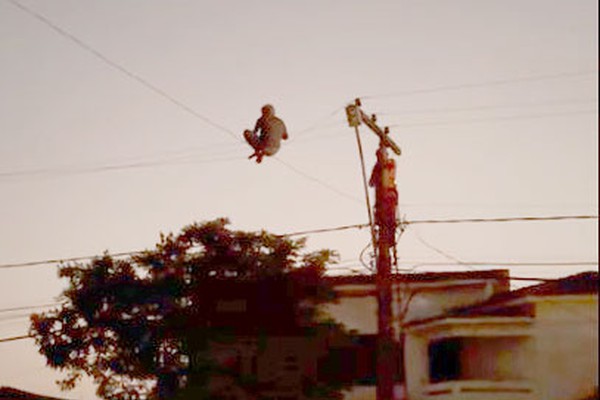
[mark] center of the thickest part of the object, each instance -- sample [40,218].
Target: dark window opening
[479,358]
[444,360]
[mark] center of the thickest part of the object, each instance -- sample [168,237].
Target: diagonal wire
[14,338]
[3,310]
[158,90]
[317,180]
[121,68]
[318,123]
[441,252]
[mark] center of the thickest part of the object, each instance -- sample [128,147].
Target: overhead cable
[153,87]
[114,167]
[336,229]
[317,180]
[121,68]
[441,110]
[4,310]
[486,119]
[14,338]
[497,82]
[501,219]
[65,260]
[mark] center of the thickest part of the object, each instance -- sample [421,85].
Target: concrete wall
[566,331]
[556,354]
[416,365]
[497,350]
[357,306]
[357,309]
[497,358]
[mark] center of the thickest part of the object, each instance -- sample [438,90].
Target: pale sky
[123,119]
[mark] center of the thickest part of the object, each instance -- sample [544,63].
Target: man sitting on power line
[272,130]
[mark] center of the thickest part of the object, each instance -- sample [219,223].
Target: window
[444,360]
[479,358]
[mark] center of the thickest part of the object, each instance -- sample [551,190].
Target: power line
[500,219]
[193,112]
[64,260]
[498,82]
[510,263]
[121,68]
[113,167]
[480,263]
[316,124]
[155,88]
[337,229]
[486,119]
[442,252]
[326,230]
[317,180]
[449,221]
[4,310]
[14,338]
[354,262]
[486,107]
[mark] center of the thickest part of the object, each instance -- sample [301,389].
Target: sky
[123,119]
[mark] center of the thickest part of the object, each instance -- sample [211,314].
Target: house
[539,342]
[416,296]
[286,356]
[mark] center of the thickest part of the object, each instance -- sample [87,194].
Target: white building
[415,297]
[540,342]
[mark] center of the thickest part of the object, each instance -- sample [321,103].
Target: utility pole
[383,178]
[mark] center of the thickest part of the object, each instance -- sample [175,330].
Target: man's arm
[284,135]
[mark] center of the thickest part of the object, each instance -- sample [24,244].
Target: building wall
[556,354]
[357,305]
[416,365]
[370,393]
[566,331]
[433,301]
[488,340]
[497,358]
[357,309]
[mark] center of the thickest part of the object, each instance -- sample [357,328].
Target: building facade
[278,359]
[540,342]
[415,297]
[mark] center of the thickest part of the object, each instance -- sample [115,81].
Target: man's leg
[254,140]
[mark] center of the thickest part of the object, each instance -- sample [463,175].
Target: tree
[126,322]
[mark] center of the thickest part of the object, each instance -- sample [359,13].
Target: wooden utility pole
[386,203]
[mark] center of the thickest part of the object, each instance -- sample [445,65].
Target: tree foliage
[124,321]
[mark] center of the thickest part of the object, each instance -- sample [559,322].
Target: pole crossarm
[356,116]
[383,134]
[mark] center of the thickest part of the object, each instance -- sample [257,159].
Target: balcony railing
[480,389]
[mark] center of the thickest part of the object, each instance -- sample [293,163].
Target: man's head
[268,110]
